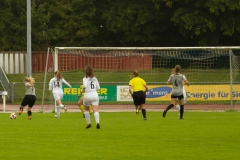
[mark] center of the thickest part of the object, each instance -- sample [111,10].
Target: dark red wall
[73,62]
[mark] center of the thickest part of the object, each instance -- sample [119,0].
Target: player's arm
[169,79]
[65,82]
[97,85]
[186,82]
[50,86]
[145,86]
[130,90]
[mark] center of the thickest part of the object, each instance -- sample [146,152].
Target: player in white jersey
[55,85]
[91,85]
[177,90]
[30,97]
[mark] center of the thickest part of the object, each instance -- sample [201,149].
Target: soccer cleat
[29,117]
[83,115]
[98,126]
[20,112]
[88,126]
[181,118]
[56,116]
[164,113]
[144,118]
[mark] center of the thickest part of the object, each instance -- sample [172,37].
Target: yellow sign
[197,92]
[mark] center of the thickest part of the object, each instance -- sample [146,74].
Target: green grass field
[123,135]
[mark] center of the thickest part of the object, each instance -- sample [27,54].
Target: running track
[123,108]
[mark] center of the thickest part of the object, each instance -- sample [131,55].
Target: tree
[207,22]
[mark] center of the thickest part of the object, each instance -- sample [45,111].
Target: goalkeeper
[80,103]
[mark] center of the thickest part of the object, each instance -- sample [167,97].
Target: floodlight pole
[29,47]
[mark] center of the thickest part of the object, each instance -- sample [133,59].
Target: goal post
[213,72]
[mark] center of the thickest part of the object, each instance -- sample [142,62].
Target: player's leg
[143,100]
[144,112]
[81,107]
[185,97]
[32,100]
[58,112]
[90,110]
[137,109]
[173,100]
[177,104]
[86,104]
[181,108]
[29,113]
[137,102]
[58,103]
[95,103]
[23,104]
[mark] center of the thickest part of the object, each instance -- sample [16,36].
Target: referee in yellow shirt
[138,89]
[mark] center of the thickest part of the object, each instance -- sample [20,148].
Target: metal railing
[5,82]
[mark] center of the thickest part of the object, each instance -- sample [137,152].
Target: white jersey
[55,85]
[91,86]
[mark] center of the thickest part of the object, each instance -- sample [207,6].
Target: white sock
[61,106]
[178,107]
[87,117]
[58,111]
[185,100]
[97,117]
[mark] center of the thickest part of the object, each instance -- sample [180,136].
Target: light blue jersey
[177,83]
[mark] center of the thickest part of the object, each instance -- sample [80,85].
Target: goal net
[213,73]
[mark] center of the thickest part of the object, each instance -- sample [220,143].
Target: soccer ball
[13,116]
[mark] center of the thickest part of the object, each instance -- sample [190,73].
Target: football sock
[81,108]
[181,111]
[61,106]
[169,107]
[144,113]
[58,111]
[97,117]
[29,113]
[21,108]
[178,107]
[87,117]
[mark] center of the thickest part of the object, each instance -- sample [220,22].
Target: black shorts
[177,97]
[139,98]
[28,100]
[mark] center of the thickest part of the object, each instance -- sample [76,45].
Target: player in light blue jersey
[30,97]
[177,79]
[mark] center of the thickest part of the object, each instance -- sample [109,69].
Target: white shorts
[90,101]
[58,95]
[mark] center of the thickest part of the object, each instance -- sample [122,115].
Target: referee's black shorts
[139,98]
[28,100]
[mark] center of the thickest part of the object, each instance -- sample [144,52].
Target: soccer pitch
[123,135]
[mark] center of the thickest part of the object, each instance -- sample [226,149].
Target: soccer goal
[213,73]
